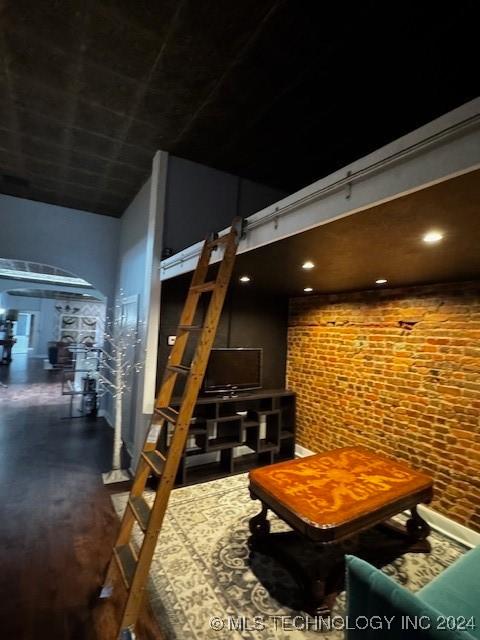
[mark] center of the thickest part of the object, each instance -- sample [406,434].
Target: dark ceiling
[384,241]
[279,91]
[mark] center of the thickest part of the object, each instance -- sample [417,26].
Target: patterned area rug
[201,569]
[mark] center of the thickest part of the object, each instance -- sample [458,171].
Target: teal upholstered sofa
[445,609]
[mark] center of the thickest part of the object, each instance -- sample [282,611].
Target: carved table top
[330,495]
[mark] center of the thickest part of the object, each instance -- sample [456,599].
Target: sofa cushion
[456,591]
[373,596]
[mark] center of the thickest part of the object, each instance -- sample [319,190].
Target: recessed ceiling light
[381,281]
[245,279]
[308,265]
[432,237]
[308,289]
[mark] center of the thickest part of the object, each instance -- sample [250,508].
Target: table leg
[259,525]
[416,526]
[327,579]
[316,604]
[411,537]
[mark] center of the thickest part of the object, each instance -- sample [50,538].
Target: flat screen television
[231,370]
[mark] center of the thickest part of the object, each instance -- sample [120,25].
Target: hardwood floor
[57,524]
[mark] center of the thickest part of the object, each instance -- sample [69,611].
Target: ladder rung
[190,327]
[155,460]
[179,368]
[168,413]
[127,561]
[220,240]
[204,287]
[141,511]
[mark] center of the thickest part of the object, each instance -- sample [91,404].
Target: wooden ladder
[134,565]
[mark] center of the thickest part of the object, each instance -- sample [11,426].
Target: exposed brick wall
[396,371]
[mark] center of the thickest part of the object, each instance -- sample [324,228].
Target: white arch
[22,274]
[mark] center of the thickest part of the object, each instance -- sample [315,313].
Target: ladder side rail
[177,444]
[143,470]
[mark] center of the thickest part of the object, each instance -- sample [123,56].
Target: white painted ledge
[449,527]
[437,521]
[446,147]
[302,452]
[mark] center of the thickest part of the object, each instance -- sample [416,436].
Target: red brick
[363,375]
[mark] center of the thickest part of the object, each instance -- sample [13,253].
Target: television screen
[233,369]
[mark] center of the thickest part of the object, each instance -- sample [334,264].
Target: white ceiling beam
[446,147]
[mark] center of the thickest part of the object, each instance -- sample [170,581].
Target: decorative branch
[116,370]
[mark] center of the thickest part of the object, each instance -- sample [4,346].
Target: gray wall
[254,197]
[132,269]
[80,242]
[133,245]
[200,199]
[249,319]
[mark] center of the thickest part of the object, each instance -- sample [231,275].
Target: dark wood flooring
[57,523]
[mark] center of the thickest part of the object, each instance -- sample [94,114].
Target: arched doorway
[43,311]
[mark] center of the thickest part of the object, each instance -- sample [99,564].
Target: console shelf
[236,434]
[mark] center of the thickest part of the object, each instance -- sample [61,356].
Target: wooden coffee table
[329,499]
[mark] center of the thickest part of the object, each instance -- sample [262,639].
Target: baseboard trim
[443,524]
[103,413]
[450,528]
[302,452]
